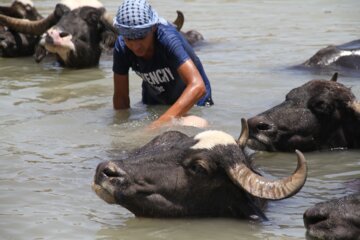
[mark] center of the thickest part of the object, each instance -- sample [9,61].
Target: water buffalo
[76,32]
[207,175]
[12,43]
[192,36]
[344,58]
[334,219]
[320,114]
[345,55]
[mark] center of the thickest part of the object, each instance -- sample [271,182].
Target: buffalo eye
[197,169]
[321,107]
[83,38]
[198,165]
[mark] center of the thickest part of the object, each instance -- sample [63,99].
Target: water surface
[57,124]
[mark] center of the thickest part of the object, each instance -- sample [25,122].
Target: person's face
[142,47]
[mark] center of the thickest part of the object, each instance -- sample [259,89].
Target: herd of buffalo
[209,174]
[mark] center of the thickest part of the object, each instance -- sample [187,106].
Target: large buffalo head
[320,114]
[12,43]
[207,175]
[334,219]
[76,34]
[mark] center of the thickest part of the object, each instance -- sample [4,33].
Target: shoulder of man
[166,32]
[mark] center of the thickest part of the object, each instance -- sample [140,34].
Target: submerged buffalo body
[346,55]
[12,43]
[320,114]
[208,175]
[334,219]
[344,58]
[76,32]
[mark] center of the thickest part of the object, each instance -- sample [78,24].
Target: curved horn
[179,21]
[244,135]
[29,27]
[261,187]
[334,77]
[37,27]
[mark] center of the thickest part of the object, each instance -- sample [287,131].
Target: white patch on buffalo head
[25,2]
[73,4]
[211,138]
[356,106]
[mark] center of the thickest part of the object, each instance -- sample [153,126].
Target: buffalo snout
[57,37]
[262,131]
[108,179]
[109,171]
[259,124]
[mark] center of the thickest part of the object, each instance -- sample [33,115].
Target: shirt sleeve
[121,62]
[175,45]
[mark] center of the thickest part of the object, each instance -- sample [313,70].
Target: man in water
[172,74]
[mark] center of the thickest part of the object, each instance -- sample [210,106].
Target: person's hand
[157,124]
[189,121]
[193,121]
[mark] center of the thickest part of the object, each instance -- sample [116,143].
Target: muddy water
[57,124]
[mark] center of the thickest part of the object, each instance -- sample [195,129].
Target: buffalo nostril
[111,172]
[49,39]
[64,34]
[263,126]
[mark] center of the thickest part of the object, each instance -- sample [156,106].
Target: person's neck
[150,53]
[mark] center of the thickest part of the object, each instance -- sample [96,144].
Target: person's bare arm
[121,98]
[195,89]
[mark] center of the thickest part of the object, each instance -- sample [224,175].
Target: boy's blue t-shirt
[161,81]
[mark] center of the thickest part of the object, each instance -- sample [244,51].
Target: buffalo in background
[318,115]
[344,58]
[77,32]
[207,175]
[334,219]
[16,44]
[192,36]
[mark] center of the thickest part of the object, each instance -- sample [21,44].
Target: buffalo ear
[60,10]
[108,40]
[92,17]
[334,77]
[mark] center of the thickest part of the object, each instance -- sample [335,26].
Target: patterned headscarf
[135,19]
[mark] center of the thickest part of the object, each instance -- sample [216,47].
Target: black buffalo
[12,43]
[75,33]
[344,58]
[320,114]
[192,36]
[334,219]
[207,175]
